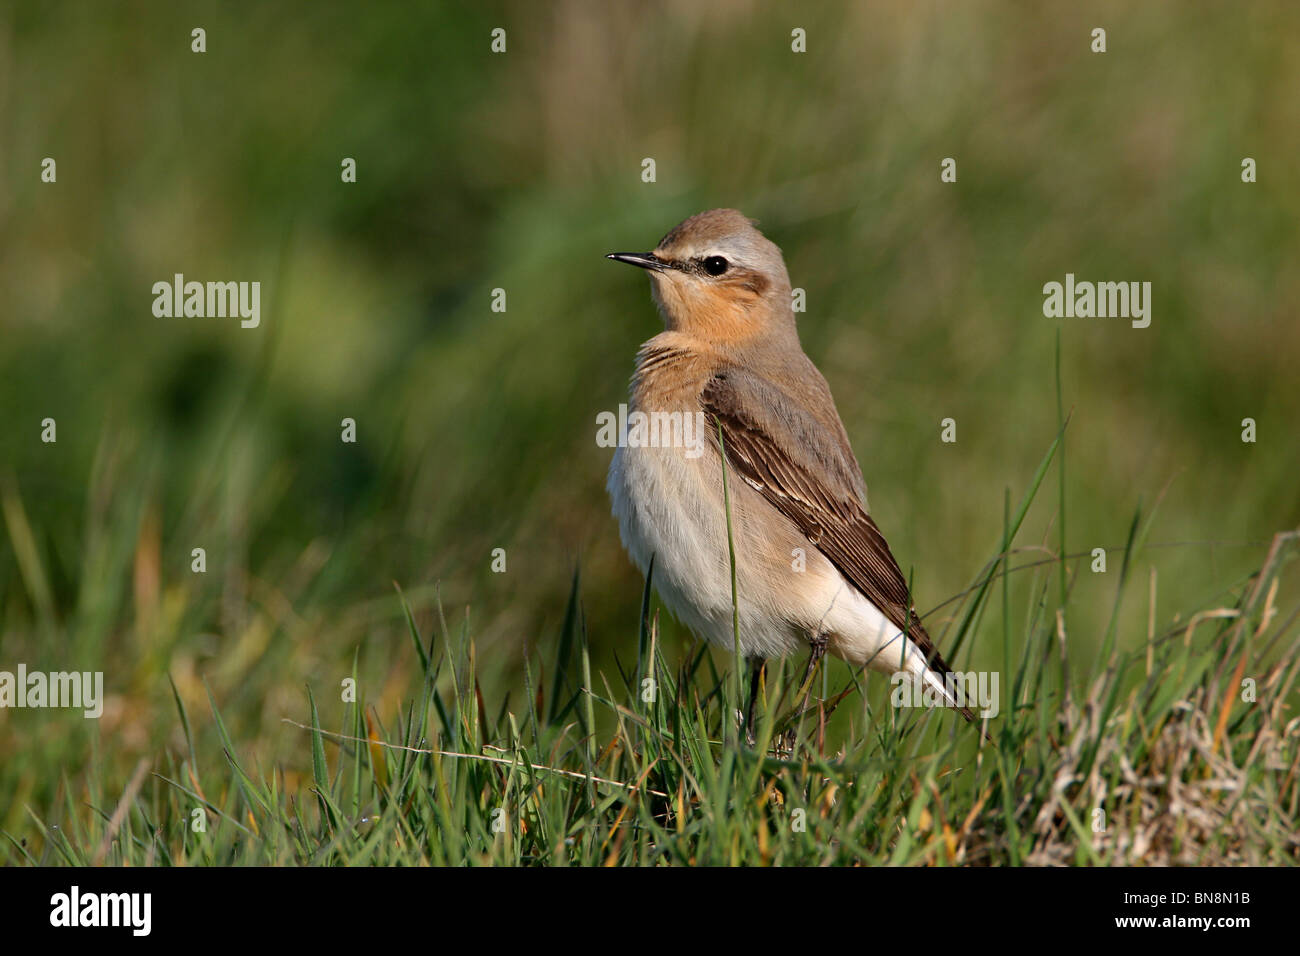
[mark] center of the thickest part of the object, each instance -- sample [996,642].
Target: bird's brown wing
[766,440]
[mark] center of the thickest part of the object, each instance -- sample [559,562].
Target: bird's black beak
[645,260]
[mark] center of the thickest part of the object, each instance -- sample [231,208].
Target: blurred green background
[476,428]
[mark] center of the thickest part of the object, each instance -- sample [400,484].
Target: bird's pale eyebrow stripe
[736,275]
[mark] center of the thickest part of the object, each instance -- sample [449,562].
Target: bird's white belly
[669,506]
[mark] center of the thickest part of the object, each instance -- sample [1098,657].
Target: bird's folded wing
[806,471]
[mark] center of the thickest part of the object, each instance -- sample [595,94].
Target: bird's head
[717,277]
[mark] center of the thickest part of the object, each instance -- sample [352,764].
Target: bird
[812,569]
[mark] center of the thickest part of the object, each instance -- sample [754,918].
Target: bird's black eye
[715,265]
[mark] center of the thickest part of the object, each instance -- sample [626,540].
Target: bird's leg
[755,679]
[818,644]
[818,651]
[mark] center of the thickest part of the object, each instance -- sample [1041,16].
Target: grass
[1146,756]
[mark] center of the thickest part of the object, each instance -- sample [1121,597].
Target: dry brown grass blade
[122,809]
[1265,578]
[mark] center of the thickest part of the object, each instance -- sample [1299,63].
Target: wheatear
[812,569]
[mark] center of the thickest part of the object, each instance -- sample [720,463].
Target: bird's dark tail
[937,673]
